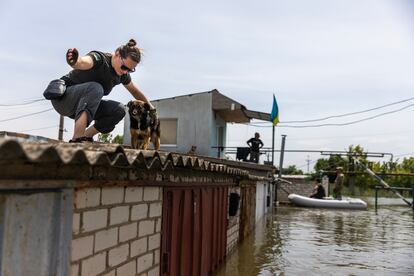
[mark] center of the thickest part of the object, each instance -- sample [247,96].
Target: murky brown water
[300,241]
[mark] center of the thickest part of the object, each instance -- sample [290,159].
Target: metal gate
[194,230]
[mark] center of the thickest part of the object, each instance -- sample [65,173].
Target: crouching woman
[93,76]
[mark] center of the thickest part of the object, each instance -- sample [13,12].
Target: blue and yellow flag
[274,116]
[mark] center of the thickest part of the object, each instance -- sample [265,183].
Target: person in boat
[255,145]
[339,180]
[318,191]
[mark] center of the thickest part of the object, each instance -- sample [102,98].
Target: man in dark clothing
[318,191]
[255,145]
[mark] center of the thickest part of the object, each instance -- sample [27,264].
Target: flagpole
[273,145]
[274,118]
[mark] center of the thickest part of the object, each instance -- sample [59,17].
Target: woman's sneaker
[82,139]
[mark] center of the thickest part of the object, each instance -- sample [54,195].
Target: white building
[198,120]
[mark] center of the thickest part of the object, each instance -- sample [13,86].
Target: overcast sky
[320,58]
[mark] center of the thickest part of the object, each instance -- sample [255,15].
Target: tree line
[397,173]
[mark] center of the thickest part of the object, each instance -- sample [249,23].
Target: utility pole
[282,153]
[61,122]
[308,162]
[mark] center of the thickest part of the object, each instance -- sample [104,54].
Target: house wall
[247,210]
[261,200]
[116,230]
[194,122]
[233,225]
[217,122]
[97,209]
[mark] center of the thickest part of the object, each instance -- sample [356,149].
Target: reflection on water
[295,241]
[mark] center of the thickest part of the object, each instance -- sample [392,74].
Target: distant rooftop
[227,108]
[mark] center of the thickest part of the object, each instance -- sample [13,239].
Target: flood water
[302,241]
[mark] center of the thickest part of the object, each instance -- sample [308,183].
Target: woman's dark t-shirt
[101,72]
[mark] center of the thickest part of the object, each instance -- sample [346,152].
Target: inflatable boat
[345,203]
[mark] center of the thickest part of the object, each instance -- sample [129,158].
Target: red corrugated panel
[187,234]
[206,233]
[194,230]
[197,232]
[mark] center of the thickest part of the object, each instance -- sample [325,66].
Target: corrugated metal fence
[194,230]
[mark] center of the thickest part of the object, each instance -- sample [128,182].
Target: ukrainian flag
[274,116]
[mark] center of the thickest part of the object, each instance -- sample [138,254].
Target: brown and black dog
[144,125]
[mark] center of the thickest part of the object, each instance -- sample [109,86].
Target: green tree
[107,138]
[292,170]
[104,137]
[119,139]
[355,175]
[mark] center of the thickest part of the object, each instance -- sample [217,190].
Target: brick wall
[233,226]
[116,231]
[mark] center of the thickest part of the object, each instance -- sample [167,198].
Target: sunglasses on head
[124,67]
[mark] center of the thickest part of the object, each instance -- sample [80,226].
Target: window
[168,131]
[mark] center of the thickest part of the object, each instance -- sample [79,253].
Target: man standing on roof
[339,180]
[255,145]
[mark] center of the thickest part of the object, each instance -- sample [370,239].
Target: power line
[404,154]
[342,115]
[24,103]
[337,124]
[26,115]
[54,126]
[351,113]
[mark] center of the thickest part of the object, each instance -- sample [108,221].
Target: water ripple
[297,241]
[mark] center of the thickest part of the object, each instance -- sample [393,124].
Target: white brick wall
[74,270]
[112,195]
[151,193]
[82,247]
[155,209]
[119,215]
[139,247]
[128,232]
[118,255]
[128,269]
[94,265]
[116,231]
[144,262]
[106,238]
[87,198]
[233,227]
[93,220]
[154,272]
[76,223]
[139,211]
[133,194]
[146,227]
[154,241]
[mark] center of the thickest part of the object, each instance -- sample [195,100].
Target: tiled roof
[112,156]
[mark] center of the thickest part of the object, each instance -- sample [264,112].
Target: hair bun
[131,43]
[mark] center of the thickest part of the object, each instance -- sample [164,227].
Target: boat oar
[383,183]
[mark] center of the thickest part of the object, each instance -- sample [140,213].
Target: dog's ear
[147,106]
[130,103]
